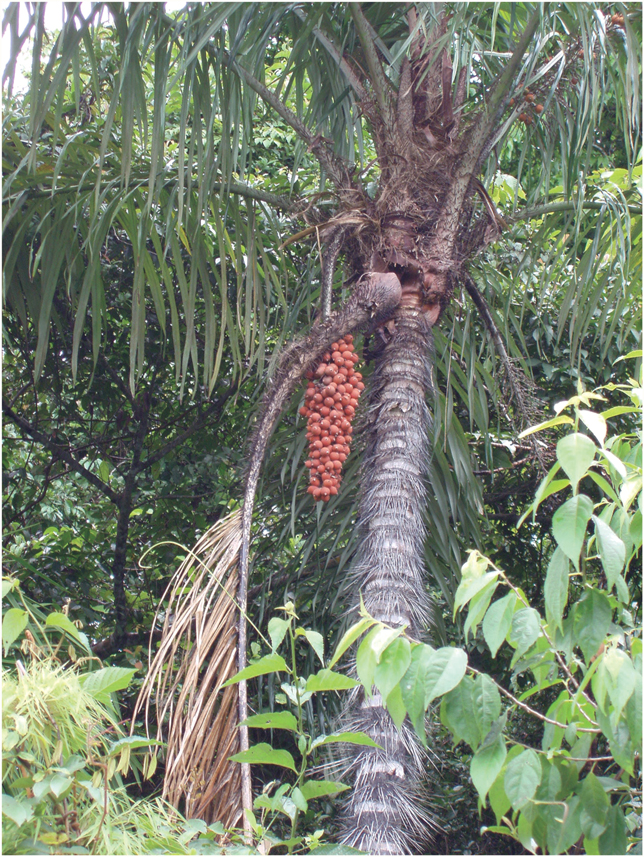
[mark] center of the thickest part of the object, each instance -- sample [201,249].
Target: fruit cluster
[330,403]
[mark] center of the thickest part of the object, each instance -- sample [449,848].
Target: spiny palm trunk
[387,812]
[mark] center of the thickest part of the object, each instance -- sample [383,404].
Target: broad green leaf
[575,453]
[268,664]
[102,683]
[555,589]
[412,687]
[498,620]
[297,796]
[264,754]
[277,629]
[471,708]
[312,789]
[392,665]
[133,742]
[360,738]
[486,764]
[592,615]
[350,636]
[634,712]
[316,641]
[59,784]
[612,551]
[59,620]
[329,680]
[594,807]
[14,623]
[8,584]
[522,778]
[569,525]
[366,661]
[613,840]
[525,629]
[478,607]
[470,586]
[396,707]
[555,421]
[272,720]
[620,678]
[499,801]
[596,423]
[443,672]
[15,810]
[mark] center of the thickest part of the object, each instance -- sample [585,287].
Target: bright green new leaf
[522,778]
[268,664]
[359,738]
[312,789]
[297,796]
[470,586]
[478,607]
[392,665]
[555,421]
[277,629]
[555,589]
[14,623]
[59,620]
[569,524]
[316,641]
[443,672]
[575,453]
[486,764]
[272,720]
[102,683]
[264,754]
[498,620]
[329,680]
[350,636]
[596,423]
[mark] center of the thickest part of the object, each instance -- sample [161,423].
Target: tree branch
[214,407]
[338,58]
[61,452]
[476,141]
[378,79]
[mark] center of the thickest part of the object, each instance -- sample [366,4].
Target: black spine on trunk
[387,812]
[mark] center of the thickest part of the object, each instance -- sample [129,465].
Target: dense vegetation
[150,286]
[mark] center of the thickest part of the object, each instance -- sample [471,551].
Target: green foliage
[580,783]
[291,798]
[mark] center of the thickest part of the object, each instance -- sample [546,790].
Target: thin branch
[199,422]
[61,452]
[527,707]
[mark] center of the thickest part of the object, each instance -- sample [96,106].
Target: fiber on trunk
[387,812]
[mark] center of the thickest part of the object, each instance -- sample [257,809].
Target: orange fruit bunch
[330,404]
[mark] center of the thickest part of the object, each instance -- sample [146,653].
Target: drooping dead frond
[196,655]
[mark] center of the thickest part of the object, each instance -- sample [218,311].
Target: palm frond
[196,655]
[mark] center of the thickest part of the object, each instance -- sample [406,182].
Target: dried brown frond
[196,655]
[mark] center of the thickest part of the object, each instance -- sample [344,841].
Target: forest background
[138,345]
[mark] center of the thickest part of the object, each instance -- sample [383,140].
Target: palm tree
[430,94]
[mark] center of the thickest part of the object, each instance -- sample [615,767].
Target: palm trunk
[387,812]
